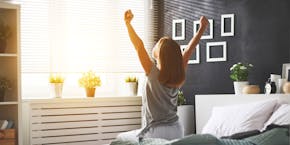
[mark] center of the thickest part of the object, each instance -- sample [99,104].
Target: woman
[163,82]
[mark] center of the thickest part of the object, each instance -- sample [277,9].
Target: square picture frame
[195,29]
[174,35]
[216,59]
[228,16]
[197,54]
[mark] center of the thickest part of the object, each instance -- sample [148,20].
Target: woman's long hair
[172,70]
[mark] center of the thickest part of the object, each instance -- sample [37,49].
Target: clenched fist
[128,16]
[203,21]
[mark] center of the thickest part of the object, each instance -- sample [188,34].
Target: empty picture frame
[197,54]
[195,29]
[232,20]
[217,59]
[174,29]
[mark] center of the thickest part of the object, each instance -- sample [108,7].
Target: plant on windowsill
[131,85]
[239,74]
[5,34]
[185,114]
[90,81]
[4,85]
[56,81]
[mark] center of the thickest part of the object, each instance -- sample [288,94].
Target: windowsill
[36,86]
[82,99]
[79,97]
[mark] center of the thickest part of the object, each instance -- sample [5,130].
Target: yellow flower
[131,79]
[89,80]
[56,78]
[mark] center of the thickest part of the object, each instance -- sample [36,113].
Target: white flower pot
[239,86]
[56,90]
[131,88]
[186,118]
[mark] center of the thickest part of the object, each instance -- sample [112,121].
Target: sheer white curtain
[73,36]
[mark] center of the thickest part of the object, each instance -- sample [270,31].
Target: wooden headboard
[205,103]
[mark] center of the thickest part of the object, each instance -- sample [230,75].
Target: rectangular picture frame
[218,59]
[197,54]
[174,23]
[210,27]
[227,16]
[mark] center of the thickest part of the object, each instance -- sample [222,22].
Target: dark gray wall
[262,37]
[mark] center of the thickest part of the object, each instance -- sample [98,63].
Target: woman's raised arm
[138,43]
[194,41]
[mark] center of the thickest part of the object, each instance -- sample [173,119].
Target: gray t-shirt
[159,102]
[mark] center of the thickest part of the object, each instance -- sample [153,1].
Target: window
[73,36]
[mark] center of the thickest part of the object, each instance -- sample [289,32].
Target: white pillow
[228,120]
[281,116]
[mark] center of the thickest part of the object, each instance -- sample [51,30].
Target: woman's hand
[128,16]
[203,21]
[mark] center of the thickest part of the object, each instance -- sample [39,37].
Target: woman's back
[159,104]
[160,100]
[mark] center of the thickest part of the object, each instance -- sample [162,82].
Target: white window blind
[75,36]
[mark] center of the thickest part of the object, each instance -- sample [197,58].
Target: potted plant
[185,114]
[239,74]
[56,84]
[90,81]
[5,33]
[131,85]
[4,85]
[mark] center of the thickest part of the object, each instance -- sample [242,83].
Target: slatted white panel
[82,122]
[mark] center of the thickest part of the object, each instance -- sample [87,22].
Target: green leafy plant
[131,79]
[56,78]
[5,31]
[181,99]
[240,71]
[4,84]
[89,80]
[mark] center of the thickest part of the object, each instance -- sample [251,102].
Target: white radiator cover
[79,121]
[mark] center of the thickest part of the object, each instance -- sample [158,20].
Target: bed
[209,106]
[205,103]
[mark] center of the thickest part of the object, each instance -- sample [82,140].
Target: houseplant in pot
[5,33]
[56,85]
[131,83]
[4,85]
[239,74]
[185,114]
[90,81]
